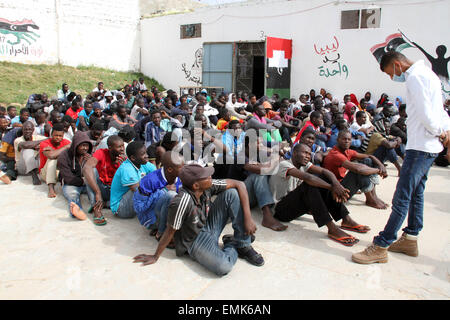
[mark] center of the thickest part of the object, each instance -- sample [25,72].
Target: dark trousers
[305,198]
[11,169]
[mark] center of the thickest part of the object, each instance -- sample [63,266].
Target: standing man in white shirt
[428,131]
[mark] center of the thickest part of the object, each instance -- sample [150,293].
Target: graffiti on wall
[398,42]
[18,38]
[332,64]
[194,72]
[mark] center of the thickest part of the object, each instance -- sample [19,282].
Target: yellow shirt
[375,141]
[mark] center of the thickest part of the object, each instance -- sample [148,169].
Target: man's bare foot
[5,179]
[272,223]
[77,212]
[377,204]
[51,193]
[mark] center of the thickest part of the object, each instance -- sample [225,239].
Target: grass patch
[19,80]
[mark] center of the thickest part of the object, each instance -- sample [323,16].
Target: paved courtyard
[45,254]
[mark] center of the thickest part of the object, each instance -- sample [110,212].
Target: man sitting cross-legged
[70,164]
[353,175]
[197,223]
[99,172]
[49,151]
[298,190]
[126,180]
[251,168]
[27,152]
[156,190]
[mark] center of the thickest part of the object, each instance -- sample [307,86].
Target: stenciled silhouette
[439,64]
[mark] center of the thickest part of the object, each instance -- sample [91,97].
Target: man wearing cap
[197,223]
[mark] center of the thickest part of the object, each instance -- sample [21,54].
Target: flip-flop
[359,228]
[100,219]
[342,240]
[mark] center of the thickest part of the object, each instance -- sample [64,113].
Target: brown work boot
[407,244]
[372,254]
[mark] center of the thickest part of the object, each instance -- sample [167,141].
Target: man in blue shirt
[156,190]
[126,180]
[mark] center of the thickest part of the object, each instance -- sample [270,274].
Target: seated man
[290,124]
[26,150]
[361,124]
[74,109]
[156,150]
[200,222]
[352,175]
[156,129]
[3,126]
[99,172]
[297,190]
[49,151]
[126,180]
[7,156]
[251,172]
[316,119]
[70,164]
[121,118]
[83,117]
[19,120]
[155,191]
[384,148]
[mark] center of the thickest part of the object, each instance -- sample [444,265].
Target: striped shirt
[188,216]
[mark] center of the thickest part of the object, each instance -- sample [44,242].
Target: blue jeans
[258,190]
[354,181]
[161,209]
[126,209]
[382,153]
[104,189]
[73,193]
[408,197]
[205,248]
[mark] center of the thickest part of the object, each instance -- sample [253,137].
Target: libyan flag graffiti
[19,29]
[394,42]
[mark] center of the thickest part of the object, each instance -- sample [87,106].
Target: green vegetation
[19,81]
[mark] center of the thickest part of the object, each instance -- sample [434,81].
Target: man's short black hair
[359,114]
[315,115]
[58,127]
[68,119]
[112,139]
[10,107]
[23,110]
[307,108]
[342,132]
[155,112]
[298,146]
[3,109]
[133,148]
[127,133]
[390,56]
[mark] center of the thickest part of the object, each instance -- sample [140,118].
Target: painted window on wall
[189,31]
[361,19]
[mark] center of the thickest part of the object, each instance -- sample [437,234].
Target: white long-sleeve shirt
[427,119]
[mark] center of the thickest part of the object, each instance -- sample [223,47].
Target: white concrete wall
[426,24]
[82,32]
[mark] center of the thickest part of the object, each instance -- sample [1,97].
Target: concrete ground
[45,254]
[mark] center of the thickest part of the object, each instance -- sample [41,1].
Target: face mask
[400,78]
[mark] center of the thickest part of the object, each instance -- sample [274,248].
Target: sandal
[98,221]
[359,228]
[249,254]
[344,240]
[229,238]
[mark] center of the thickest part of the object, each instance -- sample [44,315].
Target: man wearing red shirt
[99,172]
[74,110]
[315,121]
[49,150]
[353,175]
